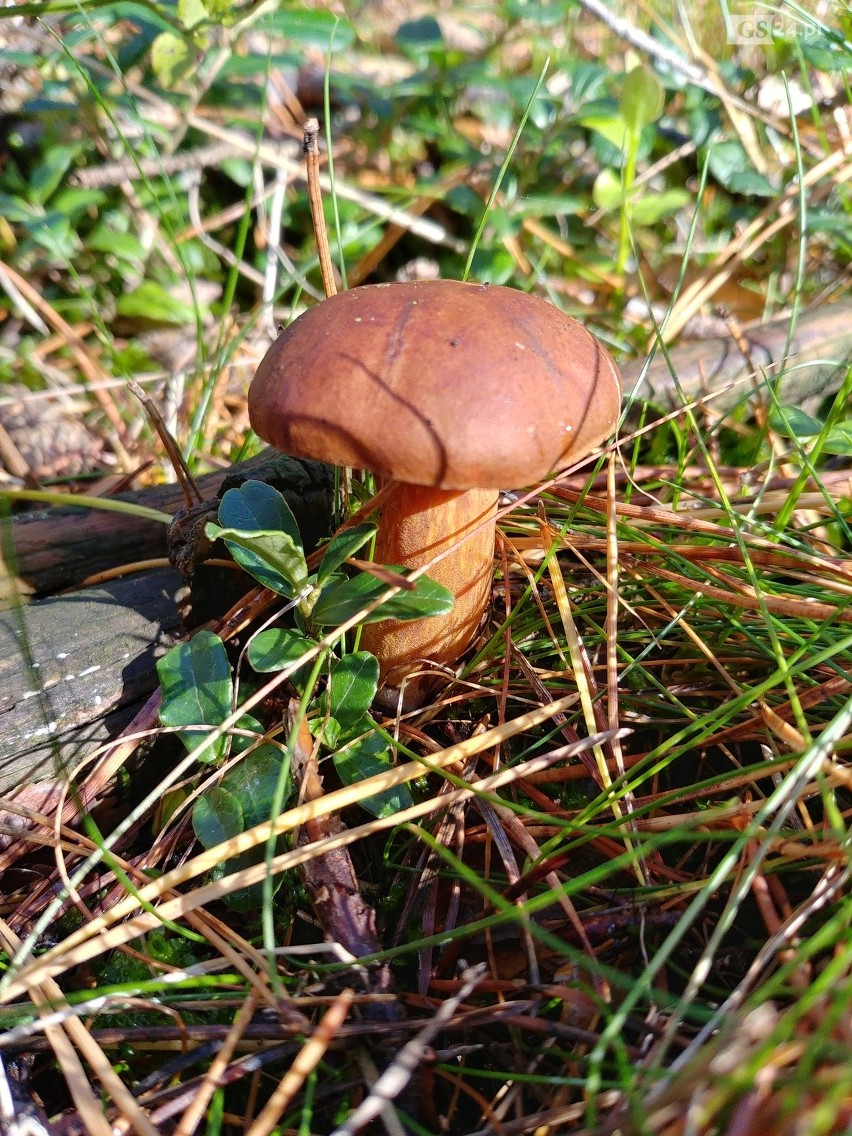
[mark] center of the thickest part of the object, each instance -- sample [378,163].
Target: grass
[646,932]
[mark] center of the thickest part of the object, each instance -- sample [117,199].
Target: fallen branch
[75,668]
[54,549]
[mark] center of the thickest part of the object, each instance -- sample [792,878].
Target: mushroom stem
[419,523]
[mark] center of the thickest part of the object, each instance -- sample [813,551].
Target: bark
[53,549]
[73,670]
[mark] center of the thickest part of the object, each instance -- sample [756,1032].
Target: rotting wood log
[111,636]
[76,667]
[808,369]
[55,549]
[73,670]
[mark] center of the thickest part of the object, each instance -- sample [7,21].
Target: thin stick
[129,169]
[13,460]
[310,149]
[187,482]
[397,1075]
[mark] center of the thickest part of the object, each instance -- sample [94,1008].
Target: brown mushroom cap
[437,383]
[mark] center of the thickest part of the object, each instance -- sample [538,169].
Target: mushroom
[451,391]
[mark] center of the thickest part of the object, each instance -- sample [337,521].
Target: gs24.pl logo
[758,27]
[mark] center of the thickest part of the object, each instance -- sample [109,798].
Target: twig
[90,367]
[66,1041]
[221,251]
[758,232]
[330,878]
[311,152]
[273,243]
[12,458]
[126,169]
[27,310]
[185,479]
[276,157]
[306,1061]
[197,1108]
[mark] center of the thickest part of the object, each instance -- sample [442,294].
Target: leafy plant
[246,796]
[793,422]
[198,692]
[258,527]
[626,127]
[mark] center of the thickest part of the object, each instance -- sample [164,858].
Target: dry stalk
[311,151]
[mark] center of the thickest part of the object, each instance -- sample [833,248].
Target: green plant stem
[624,222]
[82,501]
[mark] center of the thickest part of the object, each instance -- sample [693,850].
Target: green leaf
[217,816]
[243,741]
[827,221]
[750,183]
[254,782]
[49,173]
[191,12]
[17,211]
[238,169]
[365,757]
[136,13]
[310,27]
[608,190]
[647,209]
[839,440]
[352,687]
[263,536]
[72,201]
[642,99]
[610,127]
[197,689]
[826,54]
[150,301]
[548,205]
[256,507]
[340,602]
[122,246]
[464,200]
[730,166]
[792,422]
[172,58]
[328,730]
[248,795]
[546,13]
[342,546]
[276,648]
[224,12]
[271,557]
[418,37]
